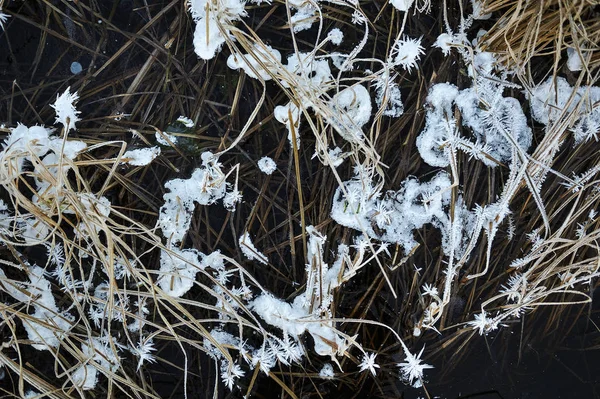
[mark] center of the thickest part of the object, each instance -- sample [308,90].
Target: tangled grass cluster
[244,195]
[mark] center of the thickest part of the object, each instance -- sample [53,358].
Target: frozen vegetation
[96,295]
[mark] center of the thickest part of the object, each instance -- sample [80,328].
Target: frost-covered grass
[258,198]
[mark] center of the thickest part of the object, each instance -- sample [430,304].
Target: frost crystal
[66,114]
[231,199]
[3,18]
[143,352]
[406,52]
[483,324]
[412,368]
[230,373]
[368,363]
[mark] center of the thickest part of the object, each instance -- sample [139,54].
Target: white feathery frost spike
[65,109]
[143,352]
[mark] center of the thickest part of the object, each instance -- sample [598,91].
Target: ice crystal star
[429,289]
[483,324]
[406,52]
[230,373]
[368,363]
[412,368]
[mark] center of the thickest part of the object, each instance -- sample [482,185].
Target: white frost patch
[351,110]
[311,311]
[402,5]
[98,207]
[498,123]
[178,270]
[440,125]
[388,95]
[312,73]
[21,145]
[258,64]
[36,146]
[336,156]
[212,17]
[28,143]
[478,10]
[305,14]
[104,360]
[267,165]
[444,42]
[187,122]
[208,39]
[141,156]
[250,251]
[393,216]
[47,325]
[32,230]
[206,186]
[68,148]
[550,102]
[294,319]
[85,377]
[494,118]
[289,115]
[326,371]
[335,36]
[574,61]
[164,138]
